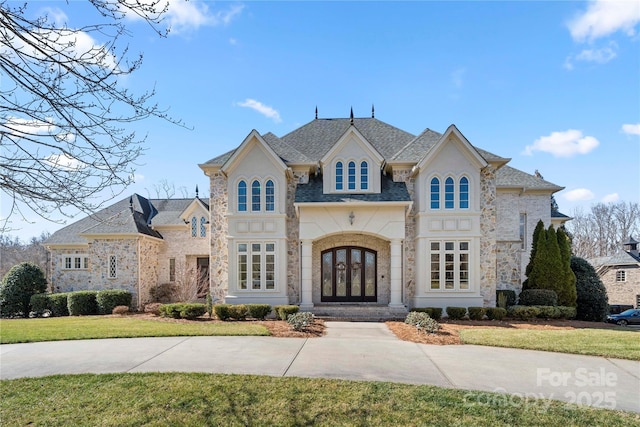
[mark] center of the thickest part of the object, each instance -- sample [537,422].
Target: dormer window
[449,188]
[194,226]
[435,193]
[242,196]
[356,175]
[255,196]
[352,175]
[339,176]
[464,193]
[270,196]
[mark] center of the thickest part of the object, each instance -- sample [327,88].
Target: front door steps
[359,312]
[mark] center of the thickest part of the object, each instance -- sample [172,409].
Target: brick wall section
[622,292]
[488,235]
[219,262]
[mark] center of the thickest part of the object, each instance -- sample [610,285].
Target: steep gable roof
[508,177]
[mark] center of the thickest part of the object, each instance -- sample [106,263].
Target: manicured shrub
[523,312]
[283,311]
[456,313]
[110,298]
[538,297]
[171,310]
[238,311]
[506,295]
[162,293]
[300,321]
[120,309]
[258,311]
[434,312]
[192,311]
[567,291]
[17,286]
[422,321]
[82,303]
[40,304]
[222,311]
[59,304]
[567,312]
[592,300]
[496,313]
[476,313]
[548,311]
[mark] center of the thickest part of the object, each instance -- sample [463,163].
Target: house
[347,211]
[620,274]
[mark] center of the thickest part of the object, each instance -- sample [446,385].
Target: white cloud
[631,129]
[579,195]
[611,198]
[604,17]
[563,144]
[64,161]
[24,128]
[265,110]
[183,16]
[598,55]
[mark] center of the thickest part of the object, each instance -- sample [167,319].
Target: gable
[250,157]
[455,151]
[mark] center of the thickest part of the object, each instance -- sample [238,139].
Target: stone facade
[219,258]
[488,247]
[64,280]
[126,252]
[627,292]
[409,243]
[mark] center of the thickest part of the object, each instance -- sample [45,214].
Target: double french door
[349,275]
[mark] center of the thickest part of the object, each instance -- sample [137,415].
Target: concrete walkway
[353,351]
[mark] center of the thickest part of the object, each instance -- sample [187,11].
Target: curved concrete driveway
[349,350]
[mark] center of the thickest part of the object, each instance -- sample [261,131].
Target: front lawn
[89,327]
[164,399]
[621,343]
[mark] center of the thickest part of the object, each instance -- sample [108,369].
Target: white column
[396,273]
[306,301]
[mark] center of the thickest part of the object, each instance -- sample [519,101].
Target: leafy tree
[17,287]
[592,300]
[567,287]
[534,247]
[65,107]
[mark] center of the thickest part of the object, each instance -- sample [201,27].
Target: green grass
[88,327]
[241,400]
[618,343]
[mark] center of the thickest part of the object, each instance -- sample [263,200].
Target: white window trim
[621,276]
[358,176]
[456,266]
[109,262]
[84,262]
[263,195]
[442,198]
[263,264]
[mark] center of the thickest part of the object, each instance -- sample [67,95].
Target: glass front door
[349,275]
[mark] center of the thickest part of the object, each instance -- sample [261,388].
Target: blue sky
[553,85]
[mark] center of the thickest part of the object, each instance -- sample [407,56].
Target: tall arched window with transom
[270,196]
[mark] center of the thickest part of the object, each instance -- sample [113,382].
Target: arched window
[364,176]
[269,196]
[339,176]
[352,175]
[449,188]
[242,196]
[203,227]
[194,226]
[255,196]
[435,193]
[464,193]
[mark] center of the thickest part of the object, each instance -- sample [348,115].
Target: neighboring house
[337,212]
[620,274]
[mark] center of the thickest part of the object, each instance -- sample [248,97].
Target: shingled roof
[390,191]
[132,215]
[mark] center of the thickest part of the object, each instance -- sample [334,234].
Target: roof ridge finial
[131,203]
[351,115]
[373,111]
[196,190]
[316,112]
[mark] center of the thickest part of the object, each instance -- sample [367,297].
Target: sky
[553,85]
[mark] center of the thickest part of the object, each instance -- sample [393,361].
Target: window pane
[435,246]
[242,196]
[255,247]
[464,193]
[327,269]
[352,175]
[67,262]
[435,193]
[242,247]
[242,271]
[370,274]
[364,176]
[448,193]
[464,246]
[172,269]
[255,271]
[270,247]
[448,246]
[339,176]
[356,272]
[113,267]
[77,262]
[464,271]
[203,227]
[270,271]
[255,196]
[435,271]
[269,196]
[86,262]
[194,226]
[341,273]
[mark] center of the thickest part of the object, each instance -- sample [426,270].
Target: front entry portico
[349,275]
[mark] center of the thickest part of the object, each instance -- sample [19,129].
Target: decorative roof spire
[131,203]
[316,112]
[196,190]
[373,112]
[351,115]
